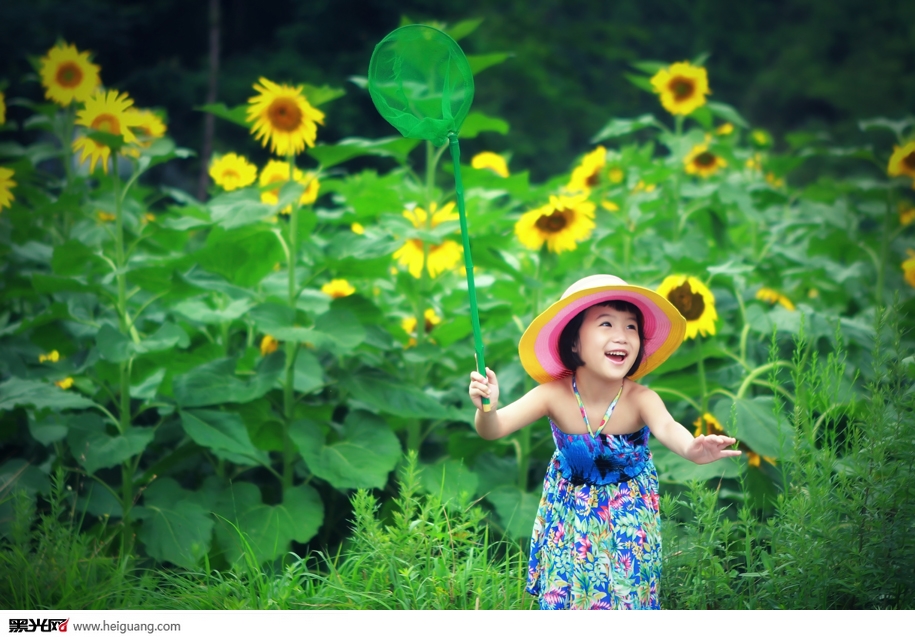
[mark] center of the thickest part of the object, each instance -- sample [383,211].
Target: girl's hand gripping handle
[484,392]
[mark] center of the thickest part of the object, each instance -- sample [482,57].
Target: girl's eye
[632,326]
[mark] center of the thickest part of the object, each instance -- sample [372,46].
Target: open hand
[705,449]
[481,387]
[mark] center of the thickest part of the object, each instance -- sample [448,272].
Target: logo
[31,625]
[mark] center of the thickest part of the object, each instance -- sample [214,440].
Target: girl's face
[608,341]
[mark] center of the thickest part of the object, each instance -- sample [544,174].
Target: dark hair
[569,335]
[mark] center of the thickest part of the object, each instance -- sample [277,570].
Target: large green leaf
[215,382]
[244,255]
[237,114]
[394,147]
[49,428]
[516,510]
[224,433]
[621,126]
[402,399]
[238,208]
[113,345]
[268,529]
[363,458]
[17,392]
[342,326]
[476,123]
[450,480]
[93,447]
[175,529]
[309,374]
[73,258]
[198,310]
[759,425]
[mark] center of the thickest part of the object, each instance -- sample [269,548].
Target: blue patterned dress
[596,542]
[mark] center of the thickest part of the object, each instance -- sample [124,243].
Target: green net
[421,82]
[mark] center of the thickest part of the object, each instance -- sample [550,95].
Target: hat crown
[592,282]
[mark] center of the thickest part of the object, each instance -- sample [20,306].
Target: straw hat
[664,327]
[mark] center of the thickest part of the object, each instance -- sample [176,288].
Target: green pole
[468,260]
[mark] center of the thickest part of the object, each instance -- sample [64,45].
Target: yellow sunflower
[54,356]
[755,460]
[694,301]
[586,175]
[269,344]
[357,228]
[908,267]
[277,171]
[283,118]
[149,127]
[902,162]
[65,384]
[702,162]
[233,171]
[109,112]
[774,180]
[906,213]
[616,175]
[682,86]
[561,224]
[707,424]
[760,138]
[6,187]
[338,288]
[442,257]
[67,75]
[725,129]
[409,325]
[772,297]
[492,161]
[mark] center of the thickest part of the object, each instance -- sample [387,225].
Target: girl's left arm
[673,435]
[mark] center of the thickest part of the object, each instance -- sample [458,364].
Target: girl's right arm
[497,423]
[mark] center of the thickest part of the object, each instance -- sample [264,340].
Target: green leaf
[113,345]
[309,374]
[397,398]
[621,126]
[727,112]
[95,449]
[175,529]
[198,310]
[394,147]
[365,456]
[642,82]
[215,382]
[321,95]
[168,335]
[757,425]
[450,480]
[516,510]
[147,389]
[17,392]
[243,256]
[233,114]
[342,327]
[463,28]
[476,123]
[480,62]
[48,429]
[898,127]
[239,208]
[672,468]
[17,474]
[268,529]
[73,258]
[43,283]
[224,433]
[113,141]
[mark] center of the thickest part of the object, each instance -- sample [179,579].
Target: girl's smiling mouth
[617,356]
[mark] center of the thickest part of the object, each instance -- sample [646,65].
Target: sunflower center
[284,114]
[69,75]
[107,123]
[682,88]
[593,179]
[555,222]
[705,159]
[909,161]
[688,303]
[230,173]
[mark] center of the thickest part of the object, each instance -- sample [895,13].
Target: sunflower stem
[884,248]
[290,346]
[703,385]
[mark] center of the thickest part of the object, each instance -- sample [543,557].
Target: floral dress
[596,542]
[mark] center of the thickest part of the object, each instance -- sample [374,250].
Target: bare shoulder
[639,392]
[552,393]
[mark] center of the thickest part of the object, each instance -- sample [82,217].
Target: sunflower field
[211,384]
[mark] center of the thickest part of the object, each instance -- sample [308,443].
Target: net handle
[468,261]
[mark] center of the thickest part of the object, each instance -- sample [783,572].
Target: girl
[596,542]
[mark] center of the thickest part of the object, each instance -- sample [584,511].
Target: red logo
[63,625]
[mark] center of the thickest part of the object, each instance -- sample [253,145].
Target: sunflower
[65,384]
[67,75]
[233,171]
[269,344]
[760,138]
[492,161]
[338,288]
[707,424]
[754,459]
[908,268]
[774,180]
[725,129]
[277,171]
[902,162]
[54,356]
[682,86]
[616,175]
[283,118]
[442,257]
[6,187]
[694,301]
[772,297]
[409,325]
[357,228]
[702,162]
[109,112]
[149,127]
[906,213]
[562,224]
[586,175]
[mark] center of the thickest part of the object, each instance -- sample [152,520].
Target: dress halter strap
[584,414]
